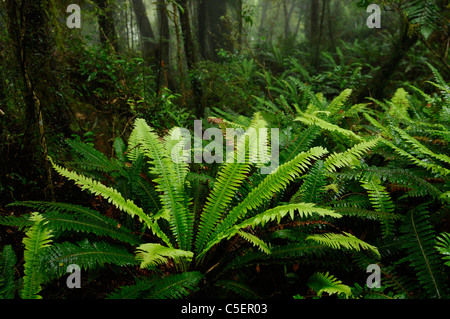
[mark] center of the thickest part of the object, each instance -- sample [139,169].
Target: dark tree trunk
[107,29]
[213,32]
[314,30]
[375,88]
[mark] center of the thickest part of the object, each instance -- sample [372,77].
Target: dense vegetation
[101,167]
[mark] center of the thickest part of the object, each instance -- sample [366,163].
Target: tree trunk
[149,47]
[107,29]
[375,88]
[314,30]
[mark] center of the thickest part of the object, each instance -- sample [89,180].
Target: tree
[107,29]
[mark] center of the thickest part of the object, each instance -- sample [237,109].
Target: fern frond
[321,283]
[337,103]
[350,156]
[175,286]
[85,254]
[62,216]
[312,189]
[239,288]
[114,197]
[271,184]
[257,242]
[171,194]
[154,254]
[37,240]
[309,119]
[345,240]
[8,261]
[228,180]
[443,247]
[418,239]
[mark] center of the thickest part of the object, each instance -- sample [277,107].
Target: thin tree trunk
[147,36]
[108,35]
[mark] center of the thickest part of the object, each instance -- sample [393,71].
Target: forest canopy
[247,149]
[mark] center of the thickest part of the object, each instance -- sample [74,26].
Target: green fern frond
[37,240]
[418,239]
[309,119]
[114,197]
[301,143]
[443,247]
[321,283]
[257,242]
[345,240]
[8,284]
[337,103]
[175,286]
[271,184]
[350,156]
[131,292]
[239,288]
[63,216]
[154,254]
[312,189]
[228,180]
[171,194]
[85,254]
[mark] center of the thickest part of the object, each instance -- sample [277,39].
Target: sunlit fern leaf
[8,284]
[351,156]
[418,239]
[277,213]
[37,240]
[327,283]
[228,180]
[255,241]
[271,184]
[338,102]
[309,119]
[168,184]
[343,241]
[114,197]
[85,254]
[239,288]
[443,247]
[301,143]
[154,254]
[175,286]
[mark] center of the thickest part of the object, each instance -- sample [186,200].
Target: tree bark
[149,47]
[107,29]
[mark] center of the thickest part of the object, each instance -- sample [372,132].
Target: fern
[345,240]
[240,288]
[418,240]
[443,247]
[8,261]
[175,286]
[321,283]
[87,255]
[154,254]
[37,241]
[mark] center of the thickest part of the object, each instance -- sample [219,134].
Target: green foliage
[327,283]
[8,284]
[38,240]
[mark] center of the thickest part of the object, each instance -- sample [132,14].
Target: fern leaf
[114,197]
[171,196]
[85,254]
[321,283]
[8,261]
[350,156]
[155,254]
[443,247]
[37,240]
[228,180]
[175,286]
[271,184]
[418,239]
[239,288]
[345,240]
